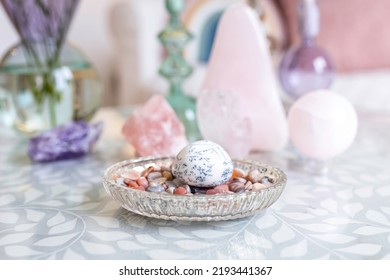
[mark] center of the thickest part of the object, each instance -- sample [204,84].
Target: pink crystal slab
[240,62]
[154,129]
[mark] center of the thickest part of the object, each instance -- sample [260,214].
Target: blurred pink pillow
[354,32]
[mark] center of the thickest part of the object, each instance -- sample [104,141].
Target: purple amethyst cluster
[64,142]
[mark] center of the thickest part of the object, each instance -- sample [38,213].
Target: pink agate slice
[154,129]
[240,62]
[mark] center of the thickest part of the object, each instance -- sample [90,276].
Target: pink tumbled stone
[154,129]
[221,189]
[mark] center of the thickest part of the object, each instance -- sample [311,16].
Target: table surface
[61,210]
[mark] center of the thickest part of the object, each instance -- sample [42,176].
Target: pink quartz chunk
[154,129]
[240,63]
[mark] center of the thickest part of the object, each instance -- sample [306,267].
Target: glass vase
[45,82]
[27,102]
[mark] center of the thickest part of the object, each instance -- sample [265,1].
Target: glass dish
[200,207]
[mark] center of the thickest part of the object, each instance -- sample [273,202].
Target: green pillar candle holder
[176,69]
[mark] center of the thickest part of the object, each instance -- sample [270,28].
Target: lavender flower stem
[52,112]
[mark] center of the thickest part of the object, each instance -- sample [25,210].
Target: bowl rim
[279,183]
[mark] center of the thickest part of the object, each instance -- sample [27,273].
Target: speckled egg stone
[203,164]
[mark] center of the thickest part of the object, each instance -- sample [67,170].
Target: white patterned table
[61,211]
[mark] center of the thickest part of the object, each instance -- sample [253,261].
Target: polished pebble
[222,188]
[237,186]
[266,181]
[158,181]
[211,191]
[258,187]
[238,173]
[180,190]
[147,171]
[132,184]
[177,182]
[157,188]
[170,184]
[171,190]
[131,175]
[120,181]
[254,176]
[248,185]
[142,181]
[188,189]
[239,180]
[154,175]
[167,175]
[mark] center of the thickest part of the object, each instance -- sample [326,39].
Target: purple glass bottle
[306,67]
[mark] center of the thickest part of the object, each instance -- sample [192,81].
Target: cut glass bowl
[199,207]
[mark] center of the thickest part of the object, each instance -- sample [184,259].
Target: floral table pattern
[61,210]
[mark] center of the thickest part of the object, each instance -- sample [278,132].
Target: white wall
[8,36]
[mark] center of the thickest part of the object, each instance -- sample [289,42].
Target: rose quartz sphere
[322,124]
